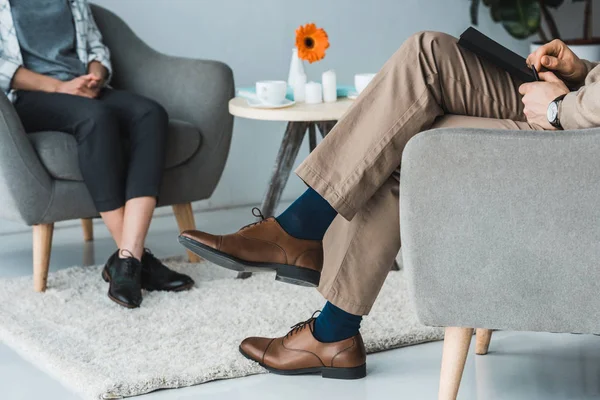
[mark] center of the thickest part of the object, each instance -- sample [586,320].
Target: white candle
[314,93]
[300,88]
[329,86]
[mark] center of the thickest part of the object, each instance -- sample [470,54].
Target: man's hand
[556,56]
[79,87]
[538,95]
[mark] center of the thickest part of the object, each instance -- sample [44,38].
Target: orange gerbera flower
[311,42]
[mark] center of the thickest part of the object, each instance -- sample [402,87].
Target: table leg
[292,140]
[326,126]
[312,136]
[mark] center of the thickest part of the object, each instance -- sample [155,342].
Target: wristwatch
[552,112]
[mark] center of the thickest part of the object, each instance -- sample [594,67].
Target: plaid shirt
[88,41]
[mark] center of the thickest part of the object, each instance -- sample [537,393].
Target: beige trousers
[429,82]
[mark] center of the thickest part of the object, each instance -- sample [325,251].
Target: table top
[298,112]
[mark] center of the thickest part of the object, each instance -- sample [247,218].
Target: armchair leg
[456,348]
[88,229]
[185,220]
[42,245]
[482,343]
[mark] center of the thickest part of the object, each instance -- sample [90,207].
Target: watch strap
[556,123]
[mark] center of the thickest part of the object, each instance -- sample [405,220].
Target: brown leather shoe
[261,246]
[299,352]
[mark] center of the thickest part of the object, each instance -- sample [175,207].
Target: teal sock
[308,217]
[335,324]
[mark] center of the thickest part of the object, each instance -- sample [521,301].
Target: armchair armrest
[501,229]
[25,185]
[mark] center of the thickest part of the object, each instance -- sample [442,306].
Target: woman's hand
[556,56]
[537,96]
[80,86]
[98,71]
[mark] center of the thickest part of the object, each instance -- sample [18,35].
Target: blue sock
[335,324]
[308,217]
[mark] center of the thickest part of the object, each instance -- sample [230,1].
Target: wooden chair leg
[88,229]
[42,246]
[185,220]
[482,342]
[456,348]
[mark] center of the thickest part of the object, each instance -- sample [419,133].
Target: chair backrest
[123,43]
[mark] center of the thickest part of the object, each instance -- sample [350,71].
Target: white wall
[255,38]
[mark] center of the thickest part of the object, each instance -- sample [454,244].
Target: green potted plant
[524,18]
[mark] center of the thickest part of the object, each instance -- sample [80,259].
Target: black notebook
[497,54]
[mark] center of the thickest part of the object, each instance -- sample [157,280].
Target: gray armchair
[501,230]
[40,181]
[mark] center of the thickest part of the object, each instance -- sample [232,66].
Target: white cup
[271,92]
[361,81]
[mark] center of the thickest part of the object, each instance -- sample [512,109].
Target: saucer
[255,103]
[352,95]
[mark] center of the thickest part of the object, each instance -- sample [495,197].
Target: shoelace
[130,263]
[258,214]
[300,325]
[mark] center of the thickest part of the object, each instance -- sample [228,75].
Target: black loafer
[157,276]
[125,280]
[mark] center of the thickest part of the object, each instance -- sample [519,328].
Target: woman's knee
[144,107]
[98,120]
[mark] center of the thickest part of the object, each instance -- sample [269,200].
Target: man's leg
[428,77]
[358,257]
[360,252]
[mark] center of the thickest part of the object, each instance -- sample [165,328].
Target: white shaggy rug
[103,351]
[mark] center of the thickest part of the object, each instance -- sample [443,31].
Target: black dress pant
[121,139]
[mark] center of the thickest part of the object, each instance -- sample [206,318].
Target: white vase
[590,52]
[296,68]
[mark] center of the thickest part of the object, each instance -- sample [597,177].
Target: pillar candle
[314,93]
[329,86]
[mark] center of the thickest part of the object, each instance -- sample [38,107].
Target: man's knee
[426,42]
[425,39]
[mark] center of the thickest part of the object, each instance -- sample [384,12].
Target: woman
[55,69]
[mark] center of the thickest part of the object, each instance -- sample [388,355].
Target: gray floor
[520,366]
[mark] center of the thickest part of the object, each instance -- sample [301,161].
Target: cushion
[58,150]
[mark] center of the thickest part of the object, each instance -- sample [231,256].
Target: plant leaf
[496,13]
[521,18]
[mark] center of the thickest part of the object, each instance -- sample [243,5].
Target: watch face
[552,112]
